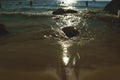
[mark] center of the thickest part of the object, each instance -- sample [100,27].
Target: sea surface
[46,5]
[36,48]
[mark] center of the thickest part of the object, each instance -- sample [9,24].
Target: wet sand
[109,73]
[29,61]
[27,55]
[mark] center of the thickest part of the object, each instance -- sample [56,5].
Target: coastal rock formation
[3,29]
[70,31]
[61,11]
[0,5]
[113,7]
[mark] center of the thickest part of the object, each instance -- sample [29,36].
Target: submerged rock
[113,7]
[61,11]
[3,29]
[70,31]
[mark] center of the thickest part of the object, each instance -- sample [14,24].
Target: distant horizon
[56,0]
[95,0]
[90,0]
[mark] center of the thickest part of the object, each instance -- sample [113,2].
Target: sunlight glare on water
[68,20]
[67,2]
[65,56]
[78,22]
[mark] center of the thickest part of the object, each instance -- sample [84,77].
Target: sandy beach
[30,52]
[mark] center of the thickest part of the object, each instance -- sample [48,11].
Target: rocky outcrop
[61,11]
[70,31]
[113,7]
[0,4]
[3,29]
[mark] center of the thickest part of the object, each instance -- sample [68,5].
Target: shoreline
[97,56]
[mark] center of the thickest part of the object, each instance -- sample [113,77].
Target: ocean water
[47,5]
[36,48]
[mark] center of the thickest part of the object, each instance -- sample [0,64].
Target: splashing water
[72,20]
[80,23]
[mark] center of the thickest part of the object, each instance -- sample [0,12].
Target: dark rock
[61,11]
[71,11]
[58,11]
[113,7]
[3,29]
[0,4]
[70,31]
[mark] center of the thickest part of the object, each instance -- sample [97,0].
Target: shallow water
[36,47]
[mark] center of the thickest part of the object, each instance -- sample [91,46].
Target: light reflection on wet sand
[65,55]
[28,58]
[68,60]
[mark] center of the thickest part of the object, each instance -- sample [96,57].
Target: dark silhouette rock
[113,7]
[70,31]
[61,11]
[70,11]
[3,29]
[0,5]
[58,11]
